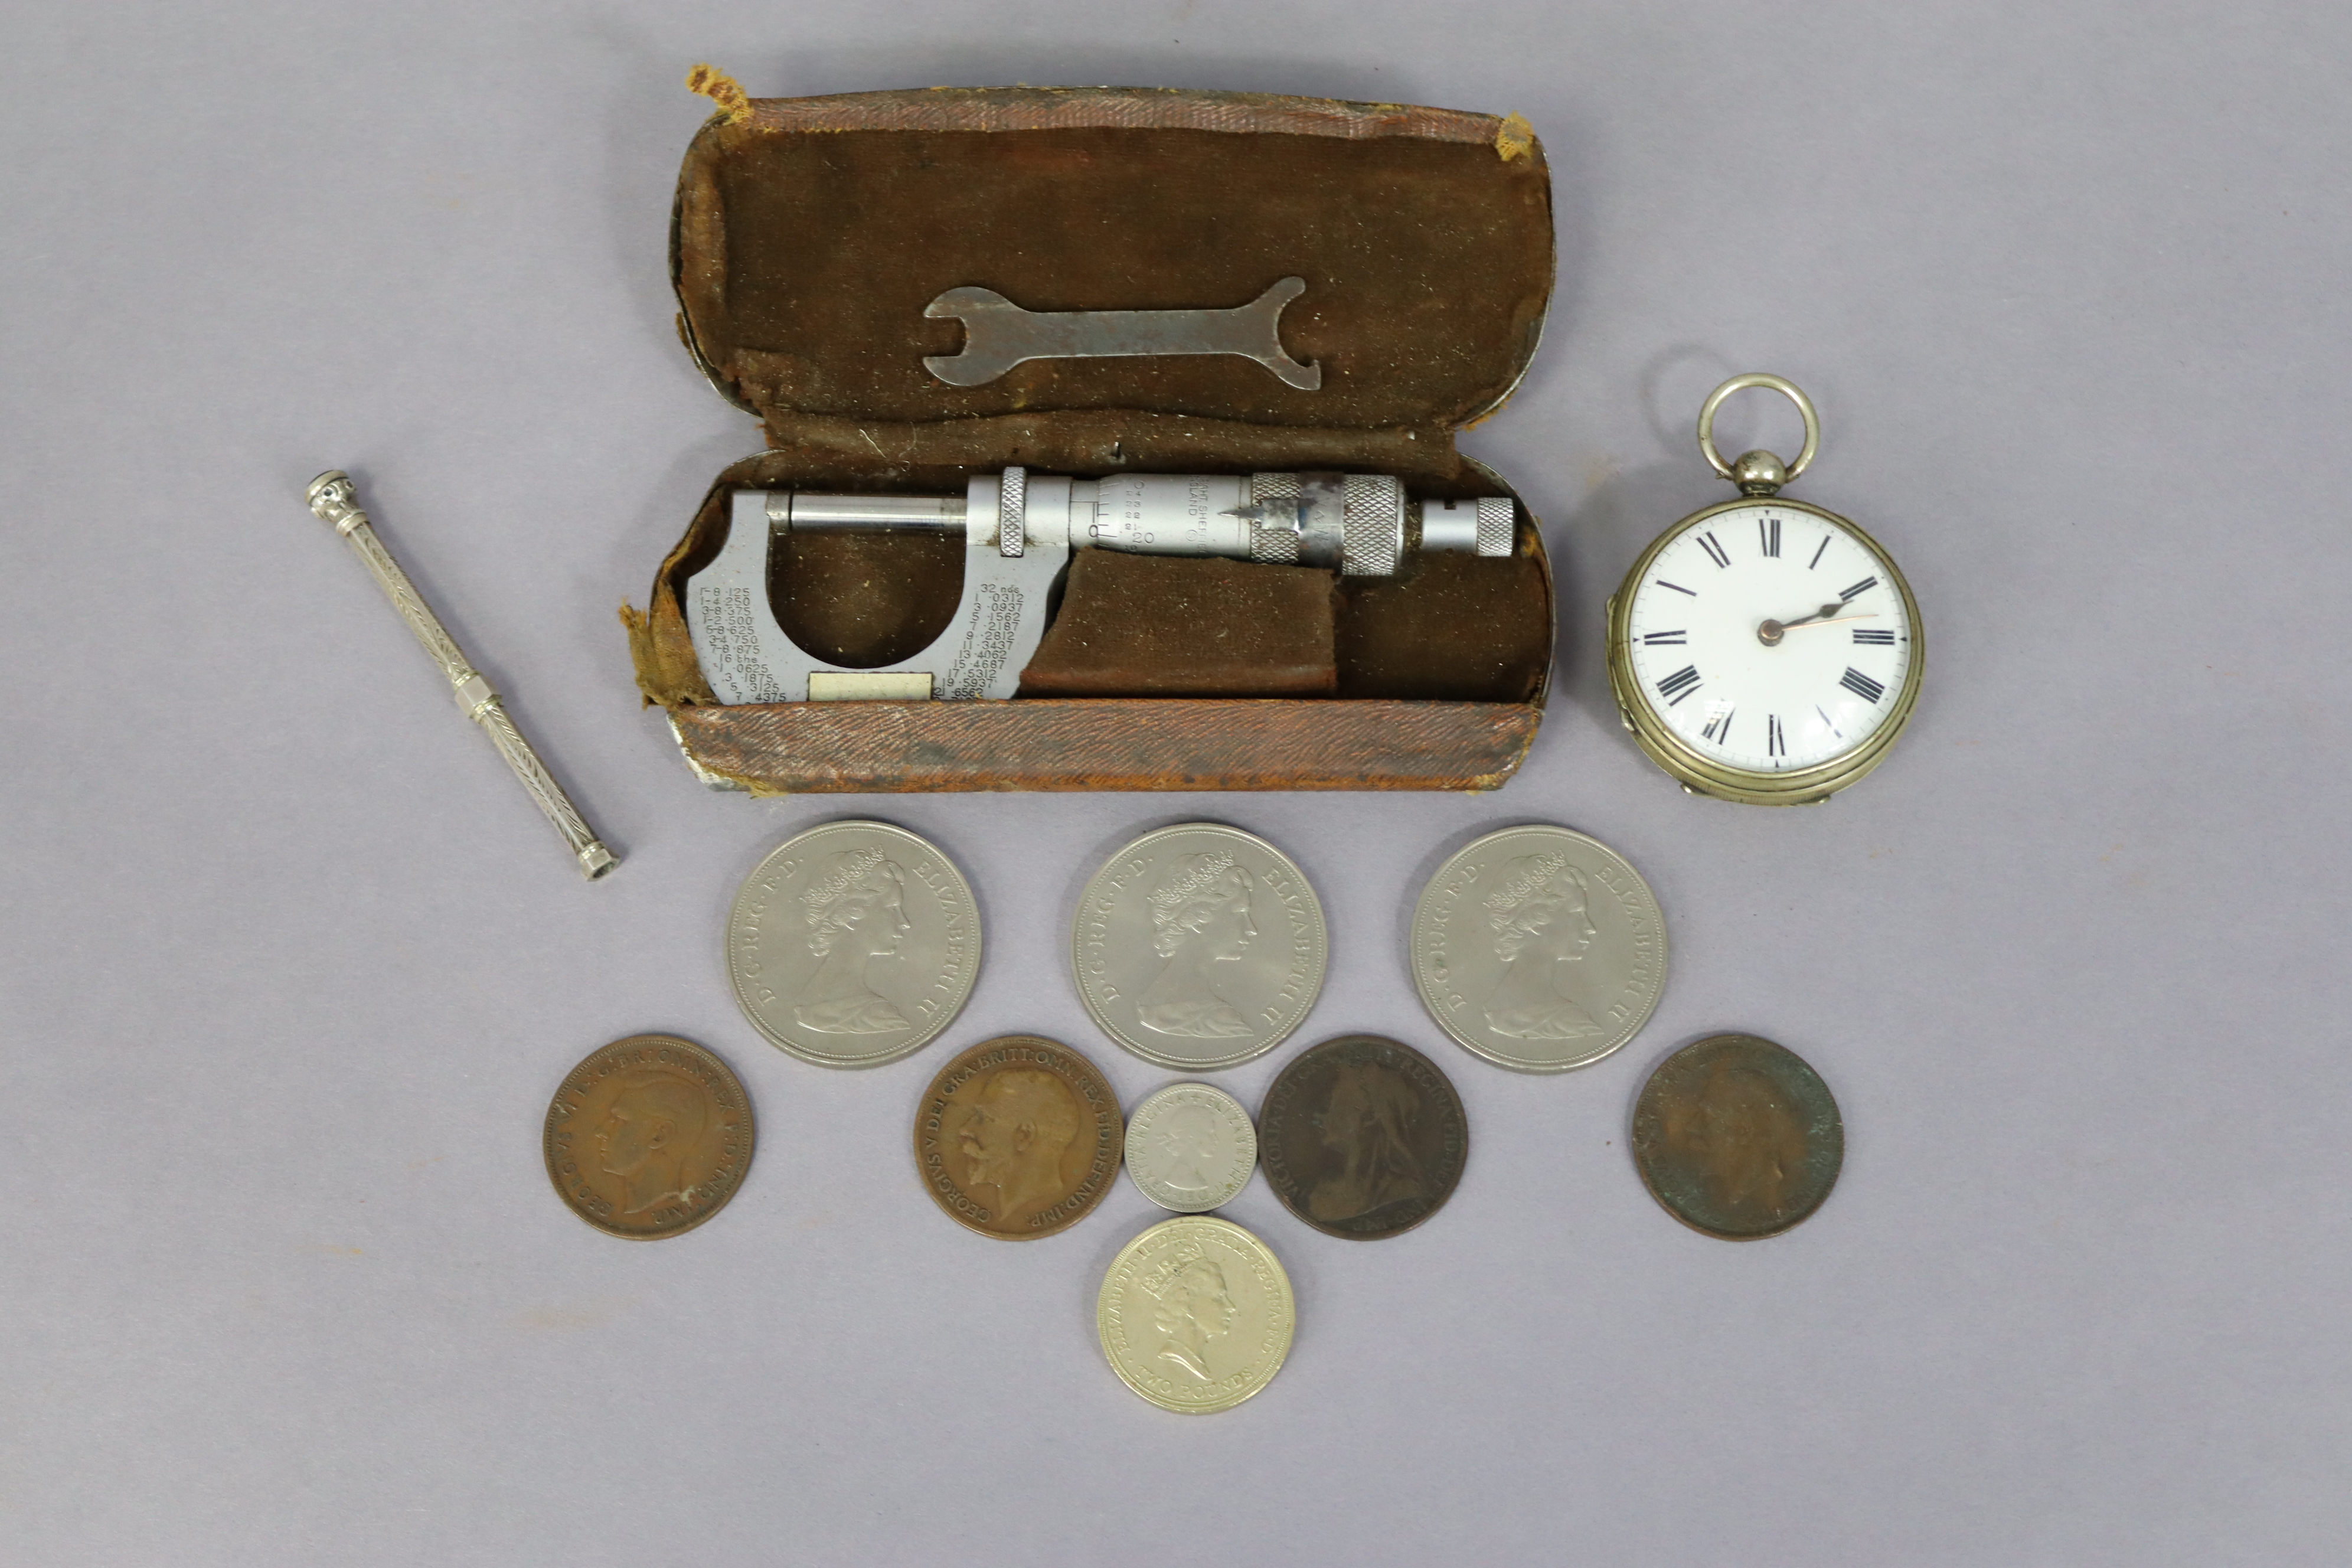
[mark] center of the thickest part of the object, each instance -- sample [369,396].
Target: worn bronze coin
[1362,1137]
[648,1136]
[1018,1137]
[1737,1137]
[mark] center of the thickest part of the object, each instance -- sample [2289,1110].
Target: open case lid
[810,233]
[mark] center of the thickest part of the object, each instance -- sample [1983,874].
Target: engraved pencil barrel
[336,501]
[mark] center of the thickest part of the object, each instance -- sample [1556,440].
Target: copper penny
[1737,1137]
[1019,1137]
[648,1136]
[1362,1137]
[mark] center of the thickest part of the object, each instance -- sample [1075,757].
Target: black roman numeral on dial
[1884,640]
[1718,728]
[1679,685]
[1865,586]
[1768,536]
[1862,686]
[1776,740]
[1666,639]
[1715,551]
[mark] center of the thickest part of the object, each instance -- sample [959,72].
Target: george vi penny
[648,1136]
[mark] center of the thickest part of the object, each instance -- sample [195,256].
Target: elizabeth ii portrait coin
[1199,946]
[1538,949]
[648,1136]
[1196,1314]
[1191,1148]
[852,945]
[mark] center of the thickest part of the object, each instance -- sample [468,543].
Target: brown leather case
[810,232]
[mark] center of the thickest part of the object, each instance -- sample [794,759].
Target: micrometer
[1019,529]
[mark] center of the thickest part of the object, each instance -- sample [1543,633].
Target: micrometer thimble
[1371,525]
[1274,532]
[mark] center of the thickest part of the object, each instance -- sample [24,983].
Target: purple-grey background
[292,967]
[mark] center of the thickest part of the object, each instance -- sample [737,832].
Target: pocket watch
[1764,651]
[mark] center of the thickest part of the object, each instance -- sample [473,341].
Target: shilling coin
[1737,1137]
[1362,1137]
[1191,1148]
[648,1136]
[852,945]
[1018,1137]
[1199,946]
[1196,1314]
[1538,949]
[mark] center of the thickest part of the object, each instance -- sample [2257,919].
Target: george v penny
[648,1136]
[1191,1148]
[1737,1138]
[1196,1314]
[1019,1137]
[1538,949]
[852,945]
[1199,946]
[1362,1137]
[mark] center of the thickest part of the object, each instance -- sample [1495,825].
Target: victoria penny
[1362,1137]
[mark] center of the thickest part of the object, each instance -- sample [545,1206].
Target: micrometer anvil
[1019,529]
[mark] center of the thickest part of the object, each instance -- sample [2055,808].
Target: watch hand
[1769,632]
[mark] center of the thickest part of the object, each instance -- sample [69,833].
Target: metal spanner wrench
[1000,335]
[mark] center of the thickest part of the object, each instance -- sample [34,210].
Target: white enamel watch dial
[1764,651]
[1769,639]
